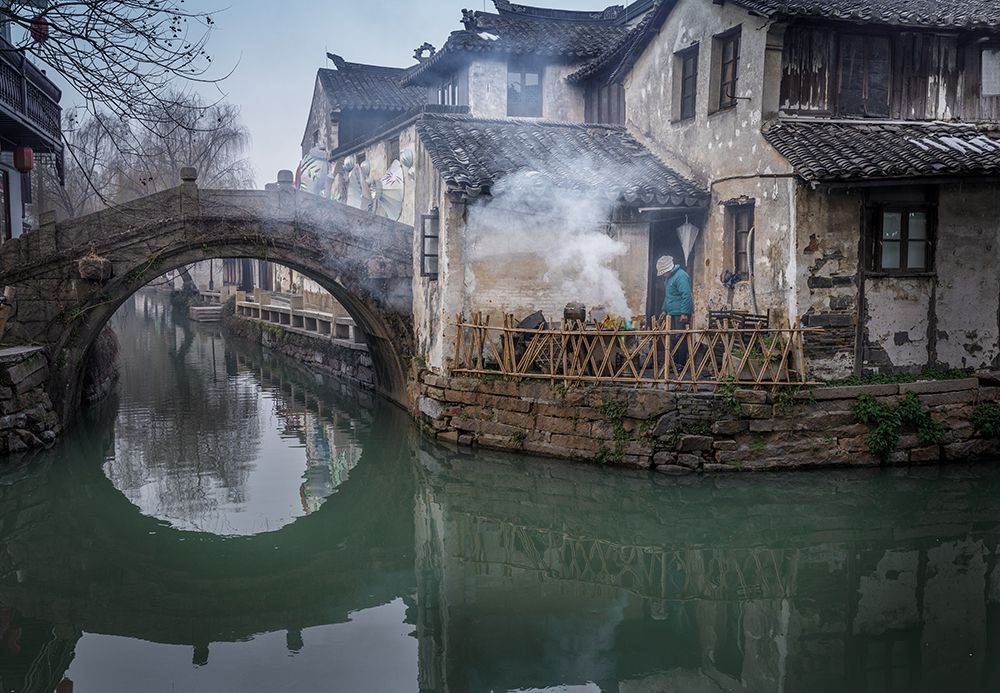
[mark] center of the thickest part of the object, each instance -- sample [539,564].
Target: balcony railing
[30,97]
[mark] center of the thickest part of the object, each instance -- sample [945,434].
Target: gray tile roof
[618,57]
[929,13]
[356,86]
[834,151]
[472,154]
[517,30]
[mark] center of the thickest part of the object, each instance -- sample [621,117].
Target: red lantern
[39,29]
[24,159]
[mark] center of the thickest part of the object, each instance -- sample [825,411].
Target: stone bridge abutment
[63,281]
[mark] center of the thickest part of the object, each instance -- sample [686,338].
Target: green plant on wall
[726,392]
[986,419]
[886,422]
[615,413]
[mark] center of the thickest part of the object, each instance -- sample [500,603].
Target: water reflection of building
[696,589]
[329,436]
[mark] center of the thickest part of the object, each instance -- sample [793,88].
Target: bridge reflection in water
[454,572]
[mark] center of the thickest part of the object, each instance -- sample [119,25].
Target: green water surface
[231,522]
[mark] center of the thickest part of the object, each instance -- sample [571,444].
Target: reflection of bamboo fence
[651,353]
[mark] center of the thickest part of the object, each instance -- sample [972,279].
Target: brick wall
[683,431]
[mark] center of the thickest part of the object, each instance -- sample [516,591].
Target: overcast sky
[277,46]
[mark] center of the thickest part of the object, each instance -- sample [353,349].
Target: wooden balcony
[30,114]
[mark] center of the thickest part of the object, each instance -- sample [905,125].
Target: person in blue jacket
[677,300]
[678,303]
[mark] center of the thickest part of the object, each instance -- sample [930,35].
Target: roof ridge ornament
[470,20]
[429,49]
[338,62]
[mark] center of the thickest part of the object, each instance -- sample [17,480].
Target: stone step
[205,313]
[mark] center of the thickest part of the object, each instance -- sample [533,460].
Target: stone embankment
[677,431]
[27,419]
[351,362]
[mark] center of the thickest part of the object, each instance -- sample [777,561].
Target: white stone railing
[294,317]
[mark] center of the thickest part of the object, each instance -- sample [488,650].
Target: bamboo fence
[641,353]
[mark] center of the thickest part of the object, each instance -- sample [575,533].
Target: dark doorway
[663,240]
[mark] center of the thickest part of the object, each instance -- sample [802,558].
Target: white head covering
[665,265]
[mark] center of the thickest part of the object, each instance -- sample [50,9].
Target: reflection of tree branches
[178,445]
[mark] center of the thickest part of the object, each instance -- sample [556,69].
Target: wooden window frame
[7,233]
[727,96]
[521,109]
[391,151]
[430,229]
[605,104]
[839,73]
[875,214]
[447,93]
[736,213]
[687,87]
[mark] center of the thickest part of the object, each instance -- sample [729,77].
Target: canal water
[231,522]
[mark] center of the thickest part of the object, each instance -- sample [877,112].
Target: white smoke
[567,230]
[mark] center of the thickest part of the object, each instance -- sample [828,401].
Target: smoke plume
[564,229]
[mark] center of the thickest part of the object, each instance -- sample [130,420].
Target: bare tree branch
[121,56]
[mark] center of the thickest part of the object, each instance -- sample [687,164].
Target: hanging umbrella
[687,233]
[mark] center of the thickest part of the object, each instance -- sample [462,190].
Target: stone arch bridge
[63,281]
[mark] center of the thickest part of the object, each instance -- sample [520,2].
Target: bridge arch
[64,281]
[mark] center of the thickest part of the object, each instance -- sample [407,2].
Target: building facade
[828,163]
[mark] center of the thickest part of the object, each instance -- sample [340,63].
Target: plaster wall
[561,101]
[488,88]
[427,307]
[968,284]
[319,119]
[772,285]
[827,236]
[896,321]
[724,143]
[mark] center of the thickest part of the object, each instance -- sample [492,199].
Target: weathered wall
[827,245]
[319,119]
[325,355]
[681,431]
[771,286]
[561,100]
[724,143]
[488,88]
[27,419]
[724,148]
[966,329]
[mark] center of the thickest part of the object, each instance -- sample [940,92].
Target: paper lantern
[39,29]
[24,159]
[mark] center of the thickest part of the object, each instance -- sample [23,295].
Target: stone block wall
[678,431]
[27,419]
[316,352]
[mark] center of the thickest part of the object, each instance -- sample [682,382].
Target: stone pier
[27,419]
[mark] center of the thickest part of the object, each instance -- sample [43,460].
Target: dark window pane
[892,225]
[878,66]
[852,75]
[916,255]
[890,255]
